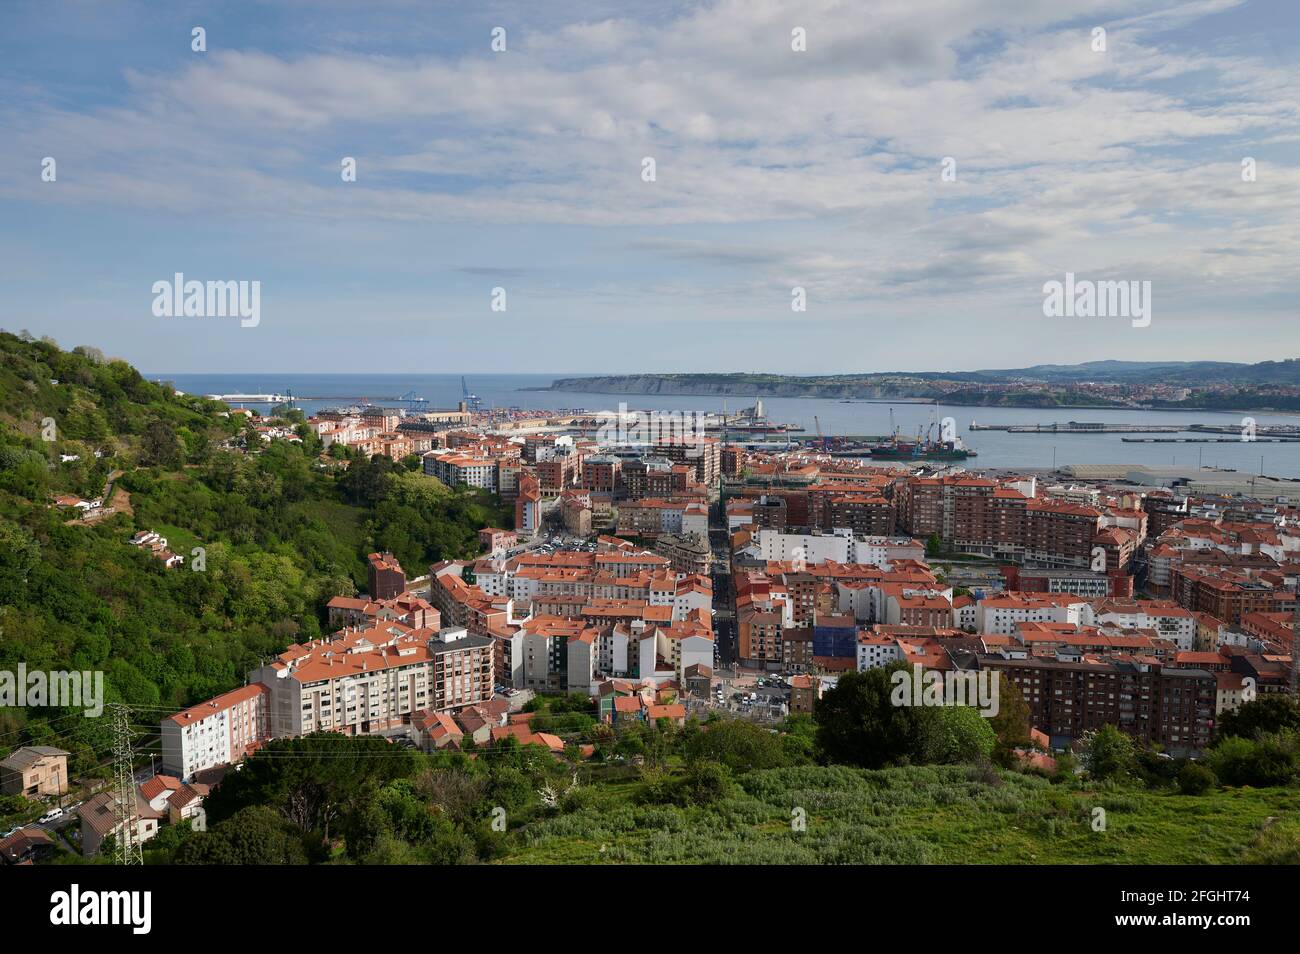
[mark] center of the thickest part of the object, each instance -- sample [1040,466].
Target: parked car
[52,815]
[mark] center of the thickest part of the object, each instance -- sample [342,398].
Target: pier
[1080,427]
[1209,440]
[1280,431]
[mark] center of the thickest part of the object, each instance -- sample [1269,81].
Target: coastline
[924,401]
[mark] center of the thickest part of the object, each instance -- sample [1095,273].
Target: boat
[920,450]
[895,448]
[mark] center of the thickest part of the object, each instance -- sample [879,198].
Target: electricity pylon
[127,849]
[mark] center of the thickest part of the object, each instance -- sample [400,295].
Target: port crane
[471,400]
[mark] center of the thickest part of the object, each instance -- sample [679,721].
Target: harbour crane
[471,400]
[413,401]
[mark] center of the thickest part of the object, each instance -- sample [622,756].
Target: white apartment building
[454,468]
[1170,622]
[877,651]
[1002,614]
[216,732]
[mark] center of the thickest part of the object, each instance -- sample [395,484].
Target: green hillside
[284,529]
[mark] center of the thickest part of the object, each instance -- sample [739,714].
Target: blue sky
[775,169]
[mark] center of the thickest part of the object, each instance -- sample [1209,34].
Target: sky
[775,168]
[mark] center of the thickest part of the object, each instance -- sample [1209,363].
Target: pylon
[127,850]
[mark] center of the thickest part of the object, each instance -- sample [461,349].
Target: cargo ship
[895,448]
[920,450]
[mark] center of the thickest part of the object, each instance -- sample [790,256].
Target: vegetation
[282,529]
[328,799]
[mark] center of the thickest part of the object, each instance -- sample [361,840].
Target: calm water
[995,448]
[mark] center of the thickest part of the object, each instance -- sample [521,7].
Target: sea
[995,449]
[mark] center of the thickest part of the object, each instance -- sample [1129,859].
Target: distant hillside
[759,385]
[1219,384]
[1188,373]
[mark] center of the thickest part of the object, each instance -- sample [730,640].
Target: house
[628,709]
[436,730]
[35,770]
[26,845]
[804,691]
[675,713]
[524,735]
[186,804]
[99,821]
[478,721]
[698,680]
[157,790]
[66,501]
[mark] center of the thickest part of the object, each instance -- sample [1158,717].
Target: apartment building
[559,473]
[496,541]
[687,553]
[875,651]
[1000,519]
[1003,613]
[386,577]
[601,473]
[217,732]
[1228,595]
[528,505]
[702,455]
[651,516]
[370,681]
[454,468]
[1172,707]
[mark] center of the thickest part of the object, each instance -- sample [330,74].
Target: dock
[1280,431]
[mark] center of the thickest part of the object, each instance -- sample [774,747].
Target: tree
[1268,760]
[256,835]
[1273,712]
[934,545]
[953,734]
[704,784]
[858,724]
[1011,724]
[313,781]
[19,555]
[159,446]
[1196,779]
[1107,753]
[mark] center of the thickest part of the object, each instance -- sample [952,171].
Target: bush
[705,783]
[1269,761]
[740,746]
[1196,779]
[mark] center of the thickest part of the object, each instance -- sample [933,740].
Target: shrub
[1196,779]
[705,783]
[1239,761]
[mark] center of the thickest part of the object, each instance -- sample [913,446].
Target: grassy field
[930,815]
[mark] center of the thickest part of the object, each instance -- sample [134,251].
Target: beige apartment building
[373,680]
